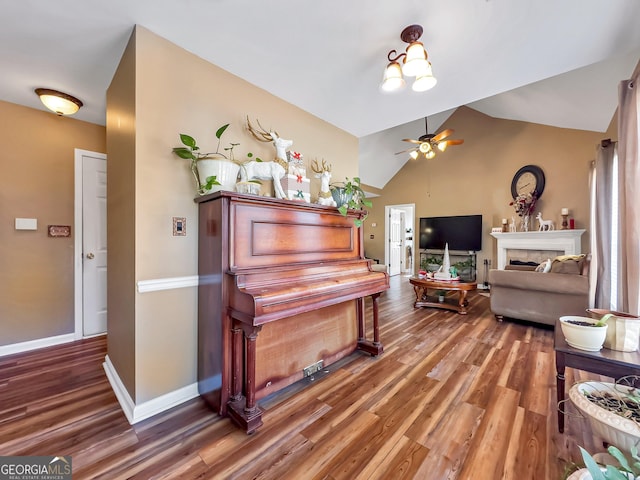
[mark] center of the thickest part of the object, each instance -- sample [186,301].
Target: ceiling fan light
[58,102]
[392,80]
[414,154]
[415,61]
[442,146]
[425,147]
[424,82]
[430,154]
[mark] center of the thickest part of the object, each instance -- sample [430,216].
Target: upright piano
[281,294]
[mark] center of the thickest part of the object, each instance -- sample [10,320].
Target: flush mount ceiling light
[58,102]
[414,64]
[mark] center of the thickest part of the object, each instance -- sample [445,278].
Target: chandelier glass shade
[393,79]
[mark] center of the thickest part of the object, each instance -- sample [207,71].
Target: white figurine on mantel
[444,272]
[545,225]
[512,225]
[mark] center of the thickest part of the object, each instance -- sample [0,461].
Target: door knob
[90,256]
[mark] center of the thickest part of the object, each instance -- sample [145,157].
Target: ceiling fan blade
[455,142]
[404,151]
[410,140]
[443,134]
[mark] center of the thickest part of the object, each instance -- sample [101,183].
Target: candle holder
[565,224]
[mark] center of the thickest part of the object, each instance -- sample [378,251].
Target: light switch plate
[26,223]
[179,226]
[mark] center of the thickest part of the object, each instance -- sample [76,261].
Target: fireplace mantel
[567,241]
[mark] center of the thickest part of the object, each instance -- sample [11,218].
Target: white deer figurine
[512,225]
[274,170]
[545,225]
[324,174]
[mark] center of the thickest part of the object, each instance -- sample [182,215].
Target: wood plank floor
[452,397]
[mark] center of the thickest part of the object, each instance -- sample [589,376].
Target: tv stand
[465,262]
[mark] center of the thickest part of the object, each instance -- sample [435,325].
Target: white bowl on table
[583,337]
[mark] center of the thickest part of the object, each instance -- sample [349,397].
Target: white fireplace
[567,241]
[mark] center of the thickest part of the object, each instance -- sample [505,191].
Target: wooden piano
[282,289]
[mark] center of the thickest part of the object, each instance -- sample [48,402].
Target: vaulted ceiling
[543,61]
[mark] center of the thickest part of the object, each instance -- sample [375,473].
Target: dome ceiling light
[58,102]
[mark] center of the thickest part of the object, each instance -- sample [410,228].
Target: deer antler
[317,169]
[261,135]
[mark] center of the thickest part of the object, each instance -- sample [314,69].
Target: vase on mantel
[524,226]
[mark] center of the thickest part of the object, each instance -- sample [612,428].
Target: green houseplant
[212,168]
[626,470]
[350,195]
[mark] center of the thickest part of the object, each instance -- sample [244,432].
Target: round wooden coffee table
[421,285]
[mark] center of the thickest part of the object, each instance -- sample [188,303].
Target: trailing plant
[355,198]
[191,151]
[619,472]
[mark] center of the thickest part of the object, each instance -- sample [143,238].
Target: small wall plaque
[59,230]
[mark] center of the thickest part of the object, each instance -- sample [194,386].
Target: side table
[610,363]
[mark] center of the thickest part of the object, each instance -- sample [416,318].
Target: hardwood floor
[452,397]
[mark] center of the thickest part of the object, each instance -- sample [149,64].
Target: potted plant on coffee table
[212,171]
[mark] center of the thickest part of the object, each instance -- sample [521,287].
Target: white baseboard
[136,413]
[171,283]
[36,344]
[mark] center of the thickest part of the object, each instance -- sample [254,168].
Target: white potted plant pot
[582,332]
[225,171]
[611,427]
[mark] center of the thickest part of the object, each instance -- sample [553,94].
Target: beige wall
[176,92]
[37,181]
[475,178]
[121,219]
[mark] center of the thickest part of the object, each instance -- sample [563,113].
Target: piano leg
[243,411]
[375,348]
[236,362]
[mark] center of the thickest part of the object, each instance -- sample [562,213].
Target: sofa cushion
[572,264]
[537,282]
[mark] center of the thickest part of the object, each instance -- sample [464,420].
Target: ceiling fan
[427,143]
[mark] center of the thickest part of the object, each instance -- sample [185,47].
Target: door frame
[410,210]
[78,281]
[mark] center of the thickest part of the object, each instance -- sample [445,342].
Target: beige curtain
[603,225]
[629,189]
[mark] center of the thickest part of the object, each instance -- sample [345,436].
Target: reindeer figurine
[324,174]
[545,225]
[512,225]
[274,170]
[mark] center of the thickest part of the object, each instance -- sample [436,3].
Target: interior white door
[396,237]
[94,244]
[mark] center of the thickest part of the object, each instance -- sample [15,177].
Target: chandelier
[414,64]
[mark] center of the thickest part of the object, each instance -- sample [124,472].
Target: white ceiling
[559,62]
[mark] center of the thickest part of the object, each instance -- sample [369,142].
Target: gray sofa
[525,294]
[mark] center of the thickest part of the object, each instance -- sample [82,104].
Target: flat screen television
[462,233]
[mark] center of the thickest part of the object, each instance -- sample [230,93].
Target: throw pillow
[544,267]
[568,264]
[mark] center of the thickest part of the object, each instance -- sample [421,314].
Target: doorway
[90,244]
[399,234]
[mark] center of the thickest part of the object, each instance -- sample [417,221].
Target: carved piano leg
[374,348]
[236,362]
[360,317]
[244,411]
